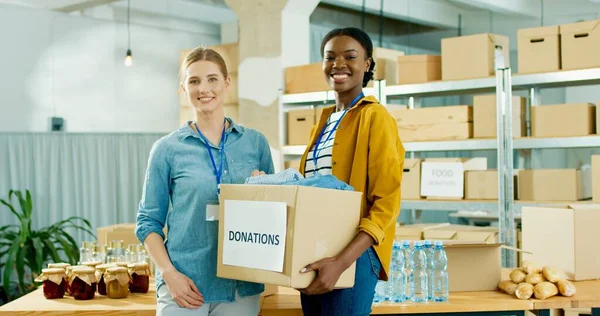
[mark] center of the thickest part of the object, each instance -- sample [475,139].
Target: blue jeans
[355,301]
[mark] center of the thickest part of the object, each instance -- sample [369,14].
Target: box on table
[539,49]
[483,185]
[444,177]
[300,124]
[484,116]
[596,178]
[464,233]
[419,68]
[565,238]
[555,184]
[469,57]
[411,179]
[466,274]
[306,239]
[580,45]
[385,65]
[564,120]
[305,78]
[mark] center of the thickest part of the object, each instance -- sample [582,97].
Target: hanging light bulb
[128,58]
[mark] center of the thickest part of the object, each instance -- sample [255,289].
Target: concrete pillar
[273,35]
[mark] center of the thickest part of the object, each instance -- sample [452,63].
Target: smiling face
[344,63]
[205,86]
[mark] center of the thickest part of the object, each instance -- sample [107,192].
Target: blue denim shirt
[180,172]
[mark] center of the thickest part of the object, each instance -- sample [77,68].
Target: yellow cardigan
[368,154]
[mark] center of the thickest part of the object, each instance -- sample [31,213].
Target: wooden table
[489,302]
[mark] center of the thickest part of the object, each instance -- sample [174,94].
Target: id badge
[212,211]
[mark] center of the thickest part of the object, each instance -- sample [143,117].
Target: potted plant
[26,251]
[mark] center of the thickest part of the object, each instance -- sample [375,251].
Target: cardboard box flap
[584,207]
[476,235]
[581,27]
[539,32]
[410,164]
[499,40]
[470,244]
[420,59]
[439,234]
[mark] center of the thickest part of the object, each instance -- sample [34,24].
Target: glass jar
[99,253]
[117,282]
[53,282]
[100,269]
[115,251]
[86,250]
[83,283]
[140,277]
[69,271]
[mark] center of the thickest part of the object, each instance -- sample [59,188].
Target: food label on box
[442,179]
[254,234]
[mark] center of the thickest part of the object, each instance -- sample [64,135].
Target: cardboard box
[484,116]
[565,238]
[306,240]
[419,68]
[444,177]
[539,49]
[596,178]
[597,118]
[580,45]
[124,232]
[300,124]
[305,78]
[467,274]
[555,184]
[483,185]
[563,120]
[469,57]
[295,164]
[577,312]
[463,233]
[433,115]
[411,179]
[420,133]
[414,231]
[385,65]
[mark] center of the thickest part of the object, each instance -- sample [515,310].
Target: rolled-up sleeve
[385,164]
[266,159]
[154,204]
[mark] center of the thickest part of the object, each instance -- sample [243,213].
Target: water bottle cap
[439,243]
[397,245]
[406,243]
[427,242]
[418,244]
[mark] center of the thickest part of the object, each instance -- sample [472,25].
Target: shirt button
[224,171]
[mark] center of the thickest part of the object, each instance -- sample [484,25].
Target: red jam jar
[69,271]
[140,277]
[117,282]
[53,282]
[100,269]
[83,283]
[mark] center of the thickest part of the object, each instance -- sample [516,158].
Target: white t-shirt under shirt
[325,149]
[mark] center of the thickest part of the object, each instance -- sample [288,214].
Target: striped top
[325,149]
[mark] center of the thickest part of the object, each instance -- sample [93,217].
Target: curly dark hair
[360,36]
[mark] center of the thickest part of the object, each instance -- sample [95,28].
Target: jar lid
[70,268]
[138,265]
[61,265]
[83,270]
[91,263]
[120,264]
[105,266]
[116,270]
[53,271]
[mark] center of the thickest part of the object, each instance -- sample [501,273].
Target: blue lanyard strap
[218,172]
[316,149]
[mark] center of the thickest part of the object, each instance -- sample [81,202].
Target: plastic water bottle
[419,284]
[440,275]
[407,268]
[380,289]
[428,247]
[397,280]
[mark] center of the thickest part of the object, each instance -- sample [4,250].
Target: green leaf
[53,253]
[29,203]
[22,203]
[20,265]
[8,270]
[11,208]
[67,249]
[39,253]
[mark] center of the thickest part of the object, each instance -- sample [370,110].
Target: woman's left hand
[328,272]
[256,173]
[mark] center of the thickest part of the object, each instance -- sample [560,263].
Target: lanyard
[218,172]
[316,150]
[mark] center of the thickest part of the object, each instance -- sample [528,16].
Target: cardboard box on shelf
[420,133]
[580,45]
[411,179]
[470,57]
[300,124]
[539,49]
[419,68]
[484,116]
[305,78]
[386,64]
[565,238]
[280,220]
[467,274]
[483,185]
[295,164]
[444,177]
[563,120]
[596,178]
[433,115]
[555,184]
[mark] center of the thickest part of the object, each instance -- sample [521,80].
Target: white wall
[54,64]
